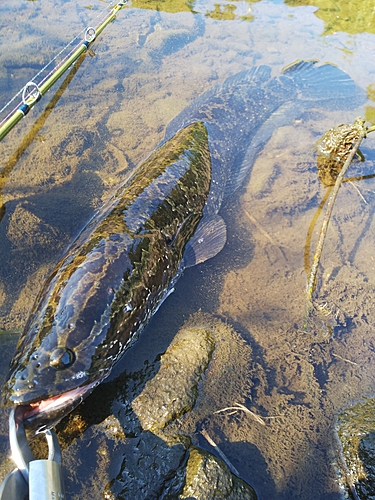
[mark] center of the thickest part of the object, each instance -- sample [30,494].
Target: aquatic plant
[336,150]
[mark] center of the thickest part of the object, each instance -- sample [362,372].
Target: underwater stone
[174,390]
[357,435]
[208,478]
[151,469]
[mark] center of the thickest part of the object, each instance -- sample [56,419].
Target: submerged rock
[185,391]
[356,431]
[150,469]
[208,478]
[174,390]
[171,394]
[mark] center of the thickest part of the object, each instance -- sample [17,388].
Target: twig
[243,408]
[310,231]
[260,227]
[344,359]
[219,452]
[323,232]
[239,406]
[359,192]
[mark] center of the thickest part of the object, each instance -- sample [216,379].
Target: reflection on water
[351,17]
[62,161]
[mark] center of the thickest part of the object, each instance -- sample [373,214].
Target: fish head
[44,383]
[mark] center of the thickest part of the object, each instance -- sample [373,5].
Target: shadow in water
[28,241]
[253,469]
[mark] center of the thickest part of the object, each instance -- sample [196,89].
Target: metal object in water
[32,479]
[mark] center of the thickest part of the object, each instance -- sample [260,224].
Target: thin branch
[219,452]
[344,359]
[240,407]
[243,408]
[261,229]
[330,204]
[359,192]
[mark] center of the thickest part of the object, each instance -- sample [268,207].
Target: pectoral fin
[208,241]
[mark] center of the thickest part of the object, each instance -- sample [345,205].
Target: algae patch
[208,478]
[356,431]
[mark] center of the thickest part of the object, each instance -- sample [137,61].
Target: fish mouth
[46,413]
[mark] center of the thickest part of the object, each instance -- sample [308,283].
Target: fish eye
[61,358]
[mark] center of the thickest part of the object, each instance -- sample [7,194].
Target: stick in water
[331,201]
[219,452]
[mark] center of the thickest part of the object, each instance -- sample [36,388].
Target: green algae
[356,431]
[208,478]
[352,17]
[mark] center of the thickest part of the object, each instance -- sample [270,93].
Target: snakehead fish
[162,220]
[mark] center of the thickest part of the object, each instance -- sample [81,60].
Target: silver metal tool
[32,479]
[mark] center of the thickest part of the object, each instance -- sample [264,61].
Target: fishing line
[48,64]
[32,92]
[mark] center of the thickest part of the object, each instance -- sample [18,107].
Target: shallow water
[60,163]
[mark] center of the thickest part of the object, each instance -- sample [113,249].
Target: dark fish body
[115,274]
[162,220]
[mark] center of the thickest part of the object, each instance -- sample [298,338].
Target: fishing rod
[32,92]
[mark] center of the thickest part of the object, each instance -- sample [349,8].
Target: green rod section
[31,101]
[61,70]
[10,123]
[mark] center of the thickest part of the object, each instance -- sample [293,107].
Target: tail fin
[324,83]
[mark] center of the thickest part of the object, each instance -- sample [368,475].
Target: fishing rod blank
[32,92]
